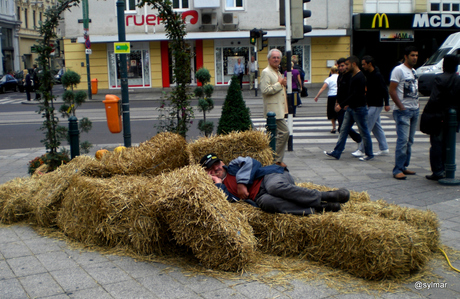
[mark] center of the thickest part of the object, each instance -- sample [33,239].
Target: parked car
[57,77]
[8,82]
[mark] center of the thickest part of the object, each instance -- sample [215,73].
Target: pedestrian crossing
[10,100]
[316,130]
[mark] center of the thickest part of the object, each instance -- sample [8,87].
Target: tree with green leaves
[235,115]
[53,132]
[175,117]
[72,100]
[205,102]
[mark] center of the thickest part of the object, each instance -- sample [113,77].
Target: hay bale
[118,211]
[152,215]
[14,204]
[370,247]
[426,221]
[200,217]
[254,144]
[163,152]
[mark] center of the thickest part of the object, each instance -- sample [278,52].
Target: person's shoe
[299,105]
[333,131]
[328,207]
[400,176]
[434,177]
[358,153]
[366,158]
[329,154]
[340,196]
[282,164]
[382,153]
[408,172]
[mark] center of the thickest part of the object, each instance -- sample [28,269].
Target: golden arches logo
[380,17]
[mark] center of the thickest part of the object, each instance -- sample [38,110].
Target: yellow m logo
[380,17]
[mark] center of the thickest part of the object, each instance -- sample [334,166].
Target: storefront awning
[208,35]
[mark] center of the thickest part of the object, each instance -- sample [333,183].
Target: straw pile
[163,152]
[14,205]
[151,215]
[254,144]
[425,221]
[369,247]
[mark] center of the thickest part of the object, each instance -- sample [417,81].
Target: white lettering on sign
[435,21]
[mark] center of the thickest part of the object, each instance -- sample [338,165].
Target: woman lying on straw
[271,188]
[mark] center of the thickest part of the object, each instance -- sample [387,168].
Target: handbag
[304,92]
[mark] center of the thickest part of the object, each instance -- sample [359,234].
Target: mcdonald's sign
[381,18]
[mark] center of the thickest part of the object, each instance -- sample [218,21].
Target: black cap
[208,160]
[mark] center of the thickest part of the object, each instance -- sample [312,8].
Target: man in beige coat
[273,87]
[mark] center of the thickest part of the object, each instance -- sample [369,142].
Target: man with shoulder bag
[434,121]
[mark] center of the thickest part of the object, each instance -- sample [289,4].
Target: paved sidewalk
[33,266]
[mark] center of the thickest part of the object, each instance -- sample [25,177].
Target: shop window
[138,67]
[233,4]
[226,57]
[191,50]
[180,4]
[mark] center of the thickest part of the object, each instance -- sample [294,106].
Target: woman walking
[296,86]
[330,82]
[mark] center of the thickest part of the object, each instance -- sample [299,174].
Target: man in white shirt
[404,93]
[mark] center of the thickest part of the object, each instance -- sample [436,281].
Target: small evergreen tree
[72,100]
[205,102]
[235,115]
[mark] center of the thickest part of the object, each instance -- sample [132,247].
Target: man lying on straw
[272,188]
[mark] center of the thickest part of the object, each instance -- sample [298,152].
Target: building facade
[9,42]
[383,28]
[217,32]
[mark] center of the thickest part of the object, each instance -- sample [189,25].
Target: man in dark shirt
[356,111]
[343,82]
[376,95]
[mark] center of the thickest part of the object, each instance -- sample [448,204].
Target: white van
[434,64]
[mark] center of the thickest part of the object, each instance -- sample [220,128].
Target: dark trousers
[352,133]
[27,89]
[240,77]
[279,194]
[438,152]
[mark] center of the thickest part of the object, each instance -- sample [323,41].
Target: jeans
[373,124]
[353,134]
[406,125]
[352,115]
[279,194]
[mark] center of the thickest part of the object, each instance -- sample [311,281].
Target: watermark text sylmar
[430,285]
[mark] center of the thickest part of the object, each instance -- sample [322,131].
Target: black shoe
[328,207]
[341,196]
[329,154]
[434,177]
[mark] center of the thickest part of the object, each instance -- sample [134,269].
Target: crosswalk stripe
[313,130]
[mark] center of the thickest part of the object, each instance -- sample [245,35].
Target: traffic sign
[122,48]
[88,51]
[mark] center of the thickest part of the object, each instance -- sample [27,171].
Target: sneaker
[434,177]
[329,154]
[382,153]
[358,153]
[366,158]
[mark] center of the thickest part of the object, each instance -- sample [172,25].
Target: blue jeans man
[352,115]
[374,125]
[406,125]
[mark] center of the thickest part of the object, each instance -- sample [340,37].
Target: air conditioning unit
[229,21]
[209,19]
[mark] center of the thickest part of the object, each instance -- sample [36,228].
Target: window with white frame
[130,5]
[444,6]
[180,4]
[234,4]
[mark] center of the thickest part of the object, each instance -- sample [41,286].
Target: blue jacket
[246,170]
